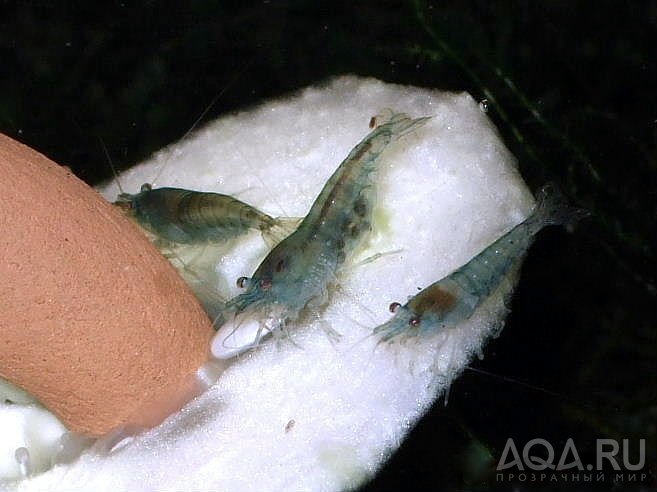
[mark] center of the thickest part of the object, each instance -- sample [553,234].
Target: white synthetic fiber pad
[316,415]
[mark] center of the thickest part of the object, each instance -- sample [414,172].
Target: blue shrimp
[179,216]
[455,297]
[295,274]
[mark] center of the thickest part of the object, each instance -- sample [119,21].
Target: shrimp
[295,274]
[175,217]
[178,216]
[455,297]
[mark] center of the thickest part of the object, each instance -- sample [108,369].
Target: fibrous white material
[30,439]
[309,413]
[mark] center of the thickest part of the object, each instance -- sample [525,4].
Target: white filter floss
[311,413]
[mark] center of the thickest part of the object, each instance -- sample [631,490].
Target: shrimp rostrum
[179,216]
[456,297]
[296,273]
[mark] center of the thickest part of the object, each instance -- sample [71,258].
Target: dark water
[572,88]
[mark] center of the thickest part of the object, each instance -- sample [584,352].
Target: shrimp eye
[146,187]
[242,281]
[265,284]
[394,306]
[414,321]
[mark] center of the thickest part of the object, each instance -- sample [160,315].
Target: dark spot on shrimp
[394,306]
[265,284]
[434,299]
[339,244]
[372,121]
[360,152]
[289,425]
[360,207]
[414,321]
[352,229]
[346,224]
[280,266]
[241,282]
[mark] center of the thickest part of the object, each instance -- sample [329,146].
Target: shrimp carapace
[297,271]
[455,297]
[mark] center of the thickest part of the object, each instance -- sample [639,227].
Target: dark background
[572,87]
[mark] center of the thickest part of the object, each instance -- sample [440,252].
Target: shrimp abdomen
[483,273]
[213,217]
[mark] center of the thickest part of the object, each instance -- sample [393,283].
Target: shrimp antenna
[246,162]
[341,290]
[516,381]
[370,259]
[254,171]
[111,164]
[371,334]
[365,366]
[214,100]
[449,367]
[371,314]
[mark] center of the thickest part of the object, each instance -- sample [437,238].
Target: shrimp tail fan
[552,208]
[399,124]
[282,228]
